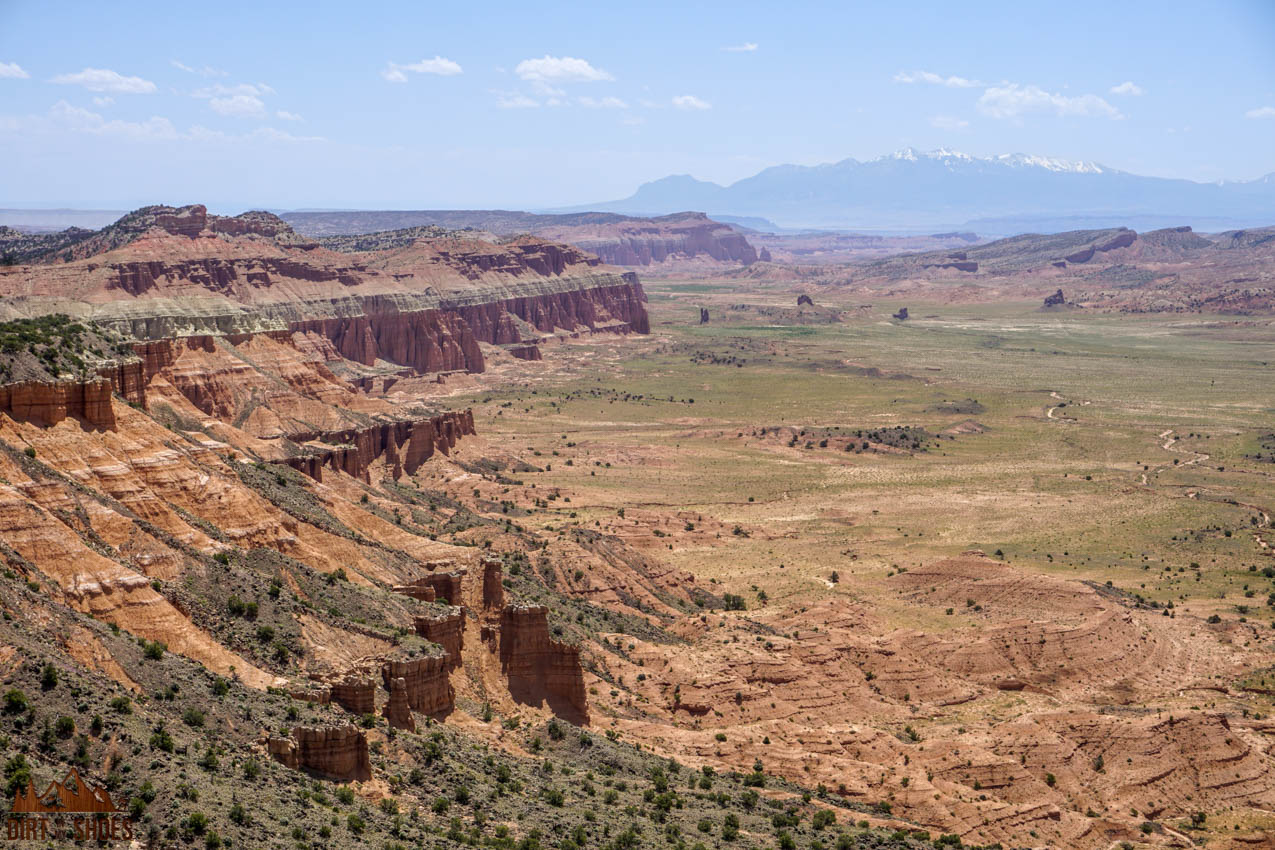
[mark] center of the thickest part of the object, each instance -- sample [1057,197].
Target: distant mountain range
[914,191]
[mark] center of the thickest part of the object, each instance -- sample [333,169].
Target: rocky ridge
[615,239]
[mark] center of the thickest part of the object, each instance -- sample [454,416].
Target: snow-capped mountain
[946,189]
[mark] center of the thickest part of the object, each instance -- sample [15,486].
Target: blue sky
[420,105]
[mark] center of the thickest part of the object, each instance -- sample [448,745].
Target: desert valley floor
[442,541]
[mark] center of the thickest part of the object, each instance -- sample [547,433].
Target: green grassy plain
[1072,412]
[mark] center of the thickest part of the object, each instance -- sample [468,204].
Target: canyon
[443,510]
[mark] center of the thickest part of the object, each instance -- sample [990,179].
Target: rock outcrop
[659,240]
[48,403]
[617,239]
[357,696]
[447,630]
[902,314]
[332,752]
[398,711]
[539,668]
[1121,240]
[424,340]
[424,303]
[804,299]
[404,445]
[1055,300]
[429,687]
[493,587]
[444,586]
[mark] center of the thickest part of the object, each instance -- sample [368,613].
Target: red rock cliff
[539,668]
[404,445]
[398,711]
[425,340]
[48,403]
[447,630]
[334,752]
[357,696]
[429,688]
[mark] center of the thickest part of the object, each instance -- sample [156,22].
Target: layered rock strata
[447,630]
[357,696]
[538,667]
[398,711]
[403,445]
[333,752]
[429,688]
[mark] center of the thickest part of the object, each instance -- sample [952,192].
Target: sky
[418,105]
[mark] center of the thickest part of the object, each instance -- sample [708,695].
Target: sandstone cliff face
[403,445]
[357,696]
[493,588]
[398,711]
[673,237]
[425,341]
[334,752]
[429,687]
[447,630]
[539,668]
[436,586]
[48,403]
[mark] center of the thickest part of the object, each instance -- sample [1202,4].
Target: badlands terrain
[442,537]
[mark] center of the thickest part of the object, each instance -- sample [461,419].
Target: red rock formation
[447,630]
[398,711]
[644,241]
[1120,240]
[416,590]
[618,308]
[493,588]
[357,696]
[404,445]
[333,752]
[425,340]
[48,403]
[441,586]
[429,688]
[539,668]
[525,352]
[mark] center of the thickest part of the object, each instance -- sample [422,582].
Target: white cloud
[948,122]
[12,71]
[935,79]
[105,100]
[514,100]
[746,47]
[565,69]
[690,102]
[239,106]
[206,71]
[284,115]
[219,90]
[270,134]
[102,79]
[602,103]
[1261,112]
[1127,87]
[438,65]
[80,120]
[1010,100]
[63,118]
